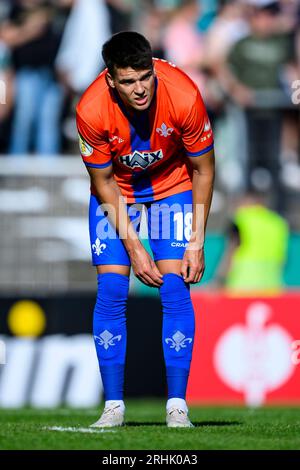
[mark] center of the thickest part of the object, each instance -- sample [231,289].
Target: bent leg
[113,269]
[109,325]
[170,225]
[178,333]
[167,266]
[109,329]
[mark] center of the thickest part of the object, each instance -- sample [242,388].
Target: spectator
[151,23]
[290,23]
[253,79]
[5,7]
[29,32]
[120,14]
[6,95]
[255,256]
[75,68]
[229,27]
[87,29]
[182,42]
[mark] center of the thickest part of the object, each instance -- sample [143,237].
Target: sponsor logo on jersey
[86,150]
[207,131]
[179,245]
[140,159]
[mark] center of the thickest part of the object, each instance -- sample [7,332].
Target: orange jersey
[149,149]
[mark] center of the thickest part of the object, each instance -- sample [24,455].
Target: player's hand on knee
[193,266]
[145,269]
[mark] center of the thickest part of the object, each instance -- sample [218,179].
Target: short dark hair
[127,49]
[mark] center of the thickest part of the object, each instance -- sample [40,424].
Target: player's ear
[110,80]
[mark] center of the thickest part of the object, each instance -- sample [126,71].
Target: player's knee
[175,294]
[113,286]
[174,285]
[112,295]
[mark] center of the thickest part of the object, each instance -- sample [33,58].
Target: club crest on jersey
[164,130]
[141,159]
[86,150]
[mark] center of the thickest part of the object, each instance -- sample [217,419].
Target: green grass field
[215,428]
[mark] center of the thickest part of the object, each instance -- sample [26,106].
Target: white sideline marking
[52,411]
[73,429]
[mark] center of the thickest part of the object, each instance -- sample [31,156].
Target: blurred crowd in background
[245,57]
[243,54]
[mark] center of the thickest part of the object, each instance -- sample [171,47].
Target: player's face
[135,87]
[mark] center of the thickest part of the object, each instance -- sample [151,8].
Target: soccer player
[145,137]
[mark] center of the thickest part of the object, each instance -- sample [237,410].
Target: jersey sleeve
[197,134]
[94,149]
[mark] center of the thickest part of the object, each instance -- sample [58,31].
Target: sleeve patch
[85,149]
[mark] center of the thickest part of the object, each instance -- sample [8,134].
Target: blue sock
[110,332]
[178,333]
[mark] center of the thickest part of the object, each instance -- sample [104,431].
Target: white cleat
[178,418]
[111,417]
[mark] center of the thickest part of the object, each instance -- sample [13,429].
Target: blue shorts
[169,224]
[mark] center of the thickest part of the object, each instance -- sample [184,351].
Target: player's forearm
[203,182]
[109,194]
